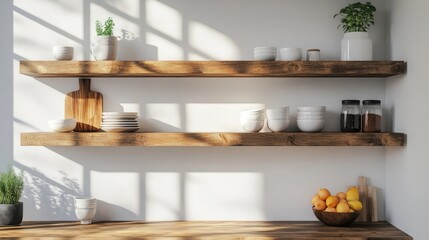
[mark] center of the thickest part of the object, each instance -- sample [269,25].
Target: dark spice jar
[350,116]
[371,116]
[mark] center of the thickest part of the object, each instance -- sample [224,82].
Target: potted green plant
[104,45]
[11,187]
[355,19]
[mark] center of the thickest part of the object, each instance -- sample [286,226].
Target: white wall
[6,84]
[248,183]
[406,168]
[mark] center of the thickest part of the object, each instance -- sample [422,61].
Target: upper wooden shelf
[212,139]
[80,69]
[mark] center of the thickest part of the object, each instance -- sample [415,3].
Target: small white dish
[277,125]
[63,53]
[62,125]
[311,125]
[312,109]
[291,54]
[252,126]
[311,114]
[85,215]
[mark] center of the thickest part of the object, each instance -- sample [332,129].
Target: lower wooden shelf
[212,139]
[201,230]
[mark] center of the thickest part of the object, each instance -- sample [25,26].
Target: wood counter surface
[201,230]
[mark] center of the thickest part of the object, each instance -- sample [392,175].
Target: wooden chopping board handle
[84,85]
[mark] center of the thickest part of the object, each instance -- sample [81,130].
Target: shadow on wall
[48,195]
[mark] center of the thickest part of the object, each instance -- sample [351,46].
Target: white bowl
[252,118]
[277,113]
[254,111]
[62,49]
[63,56]
[321,113]
[85,215]
[64,121]
[265,49]
[265,56]
[312,109]
[277,125]
[291,54]
[311,125]
[62,53]
[310,118]
[62,125]
[252,126]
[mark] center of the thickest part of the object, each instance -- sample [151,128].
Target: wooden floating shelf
[108,69]
[212,139]
[219,230]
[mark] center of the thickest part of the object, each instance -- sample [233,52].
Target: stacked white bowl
[311,119]
[62,53]
[265,53]
[252,120]
[278,119]
[85,209]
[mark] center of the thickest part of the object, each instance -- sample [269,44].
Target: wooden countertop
[202,230]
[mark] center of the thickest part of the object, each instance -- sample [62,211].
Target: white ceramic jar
[356,46]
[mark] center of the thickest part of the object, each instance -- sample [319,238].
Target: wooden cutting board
[363,216]
[372,204]
[85,106]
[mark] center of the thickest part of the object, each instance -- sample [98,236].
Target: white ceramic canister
[313,55]
[356,46]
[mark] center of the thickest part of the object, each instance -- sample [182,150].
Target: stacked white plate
[120,122]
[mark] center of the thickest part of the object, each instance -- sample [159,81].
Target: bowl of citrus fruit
[337,210]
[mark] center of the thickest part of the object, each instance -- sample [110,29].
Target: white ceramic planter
[356,46]
[104,48]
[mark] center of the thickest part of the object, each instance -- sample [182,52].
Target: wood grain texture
[212,68]
[212,139]
[363,195]
[202,230]
[372,204]
[85,106]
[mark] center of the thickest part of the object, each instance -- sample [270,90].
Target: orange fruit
[341,195]
[324,194]
[343,207]
[320,205]
[330,209]
[332,201]
[314,199]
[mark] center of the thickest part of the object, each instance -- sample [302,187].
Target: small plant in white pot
[355,19]
[11,187]
[104,45]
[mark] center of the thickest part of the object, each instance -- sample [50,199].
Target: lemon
[355,205]
[352,194]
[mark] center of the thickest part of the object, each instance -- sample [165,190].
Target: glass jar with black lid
[350,116]
[371,116]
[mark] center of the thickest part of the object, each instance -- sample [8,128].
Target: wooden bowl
[336,219]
